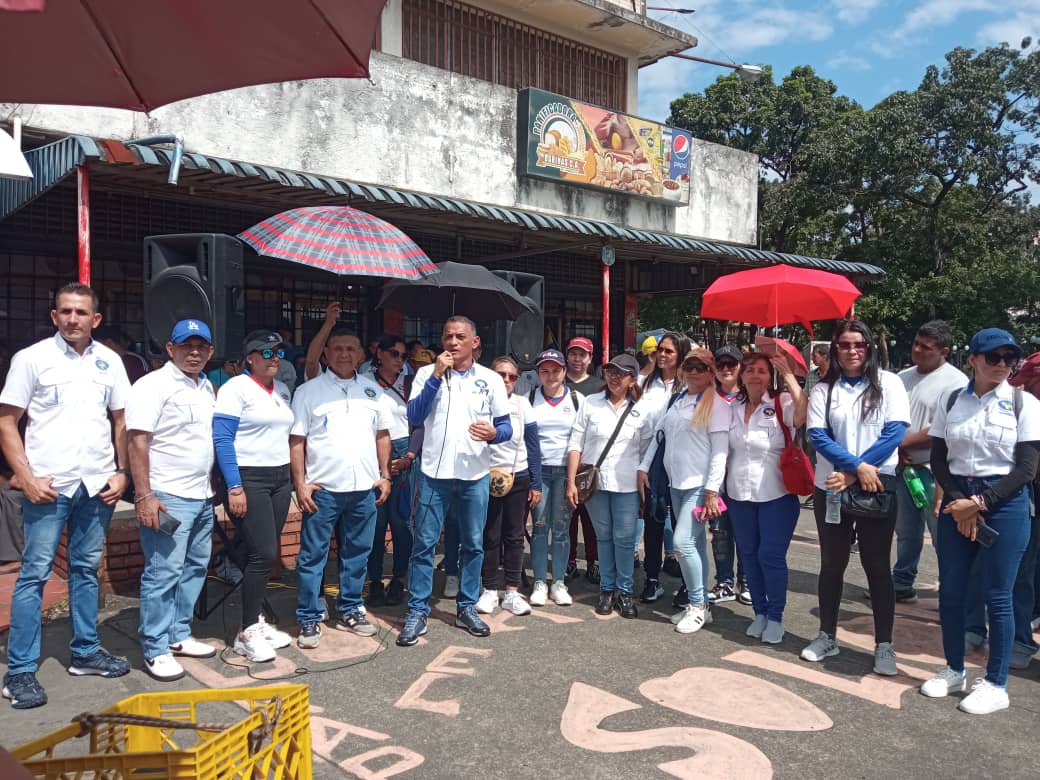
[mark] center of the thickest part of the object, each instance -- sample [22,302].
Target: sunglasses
[396,354]
[697,368]
[269,353]
[995,358]
[508,375]
[852,346]
[726,364]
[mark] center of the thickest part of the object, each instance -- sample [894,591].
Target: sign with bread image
[567,141]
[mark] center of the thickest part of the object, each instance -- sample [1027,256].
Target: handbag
[795,465]
[502,479]
[857,503]
[587,478]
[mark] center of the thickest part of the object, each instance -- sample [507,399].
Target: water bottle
[915,486]
[833,508]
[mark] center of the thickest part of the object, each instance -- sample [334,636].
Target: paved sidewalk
[55,592]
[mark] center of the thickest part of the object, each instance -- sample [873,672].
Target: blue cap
[550,356]
[989,339]
[185,329]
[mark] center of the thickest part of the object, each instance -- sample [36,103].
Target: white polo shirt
[754,450]
[851,431]
[264,420]
[691,457]
[340,418]
[67,397]
[597,418]
[981,433]
[178,412]
[398,399]
[512,454]
[464,397]
[554,424]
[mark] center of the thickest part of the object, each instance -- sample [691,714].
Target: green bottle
[916,487]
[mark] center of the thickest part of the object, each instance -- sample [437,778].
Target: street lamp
[747,72]
[673,10]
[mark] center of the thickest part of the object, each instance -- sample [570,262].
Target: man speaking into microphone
[464,408]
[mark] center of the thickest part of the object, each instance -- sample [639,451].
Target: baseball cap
[989,339]
[626,363]
[260,339]
[185,329]
[1028,372]
[701,355]
[422,357]
[551,356]
[580,342]
[728,350]
[649,346]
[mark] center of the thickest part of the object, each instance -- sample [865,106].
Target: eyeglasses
[697,368]
[995,358]
[508,375]
[269,353]
[726,364]
[394,353]
[852,346]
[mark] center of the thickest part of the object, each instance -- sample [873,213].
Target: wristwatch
[123,471]
[236,491]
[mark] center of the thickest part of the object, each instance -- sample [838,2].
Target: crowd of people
[663,450]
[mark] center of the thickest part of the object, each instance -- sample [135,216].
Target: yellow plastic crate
[121,752]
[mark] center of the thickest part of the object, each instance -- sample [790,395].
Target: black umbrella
[459,288]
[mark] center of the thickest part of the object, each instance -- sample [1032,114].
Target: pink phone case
[699,510]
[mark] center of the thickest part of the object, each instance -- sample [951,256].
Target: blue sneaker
[468,619]
[414,627]
[24,691]
[100,662]
[310,635]
[356,623]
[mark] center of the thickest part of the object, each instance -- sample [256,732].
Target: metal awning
[127,162]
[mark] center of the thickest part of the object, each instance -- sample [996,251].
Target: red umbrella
[786,351]
[143,55]
[778,295]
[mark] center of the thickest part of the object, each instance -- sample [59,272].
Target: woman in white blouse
[614,507]
[763,511]
[693,431]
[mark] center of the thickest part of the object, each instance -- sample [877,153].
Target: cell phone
[699,510]
[168,523]
[986,535]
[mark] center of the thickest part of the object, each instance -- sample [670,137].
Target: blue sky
[868,48]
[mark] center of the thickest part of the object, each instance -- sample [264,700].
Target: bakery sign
[566,141]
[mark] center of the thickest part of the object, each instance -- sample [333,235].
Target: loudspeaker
[524,337]
[195,276]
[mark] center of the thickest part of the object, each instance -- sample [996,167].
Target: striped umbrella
[341,240]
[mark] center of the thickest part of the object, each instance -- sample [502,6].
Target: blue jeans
[552,513]
[87,520]
[1000,563]
[691,543]
[400,527]
[451,540]
[437,497]
[910,525]
[175,567]
[352,516]
[724,549]
[764,530]
[614,518]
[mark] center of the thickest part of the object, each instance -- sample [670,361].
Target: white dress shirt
[755,448]
[178,412]
[555,422]
[67,398]
[693,456]
[981,433]
[398,399]
[340,419]
[264,419]
[597,418]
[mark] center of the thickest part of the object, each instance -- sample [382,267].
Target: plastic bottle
[833,508]
[918,494]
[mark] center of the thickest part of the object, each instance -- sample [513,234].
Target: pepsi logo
[680,145]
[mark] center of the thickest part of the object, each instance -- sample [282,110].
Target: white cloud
[938,13]
[854,11]
[1012,30]
[848,62]
[771,26]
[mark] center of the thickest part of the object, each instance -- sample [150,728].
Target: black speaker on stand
[195,276]
[524,337]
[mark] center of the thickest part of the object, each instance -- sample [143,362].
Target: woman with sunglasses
[519,456]
[694,431]
[985,451]
[615,505]
[858,415]
[763,511]
[251,424]
[388,373]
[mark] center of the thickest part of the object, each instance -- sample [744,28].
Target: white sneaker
[773,633]
[488,602]
[944,683]
[539,594]
[251,643]
[985,697]
[193,648]
[693,620]
[885,660]
[164,667]
[275,638]
[515,602]
[560,594]
[451,587]
[821,647]
[758,625]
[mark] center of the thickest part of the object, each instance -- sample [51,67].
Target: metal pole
[83,212]
[606,313]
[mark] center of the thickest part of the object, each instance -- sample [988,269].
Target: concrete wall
[419,128]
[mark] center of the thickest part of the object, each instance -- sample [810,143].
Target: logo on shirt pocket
[1006,406]
[102,365]
[370,392]
[769,412]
